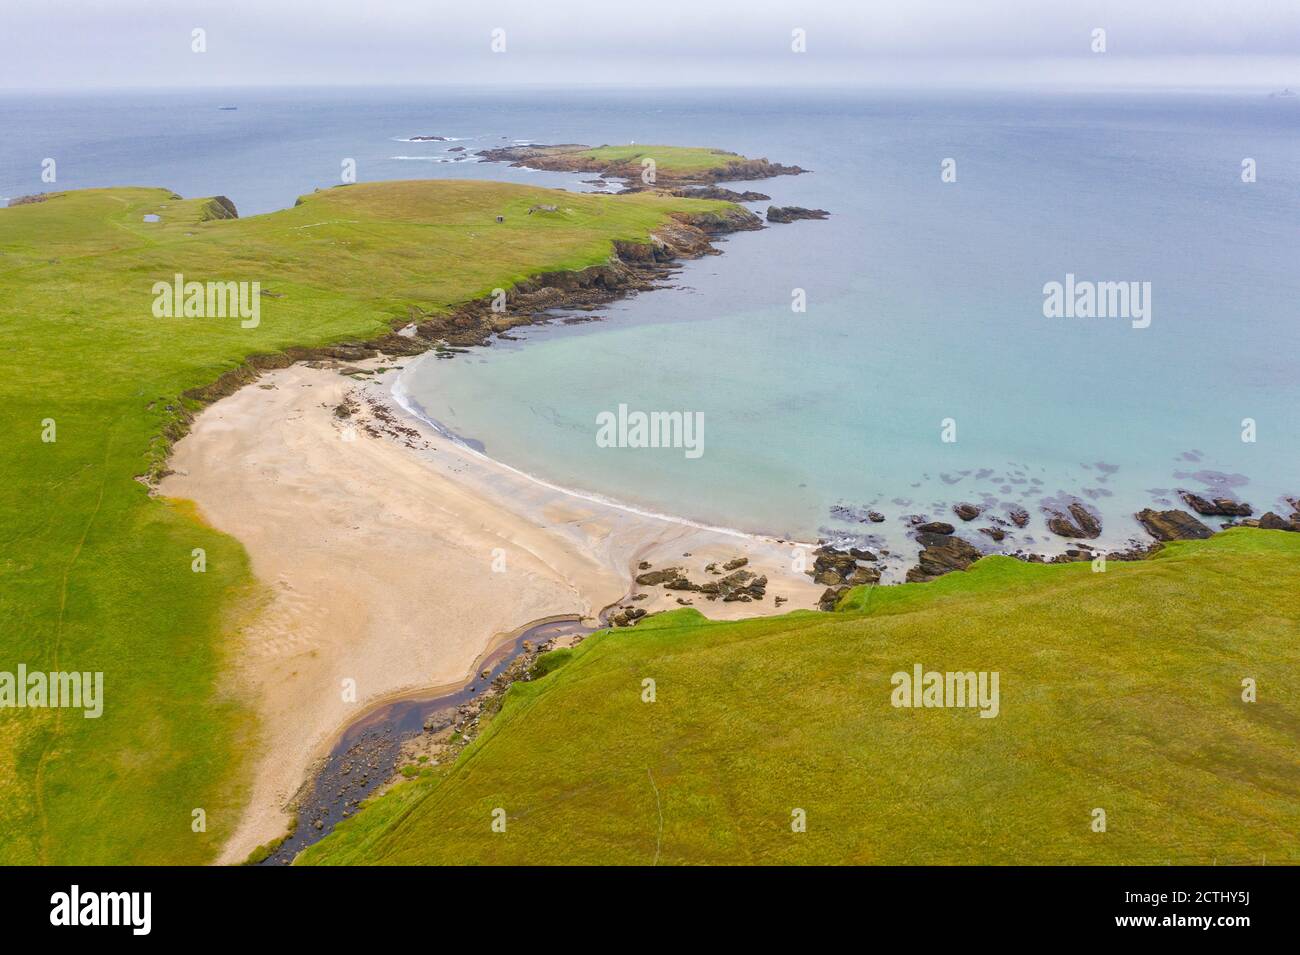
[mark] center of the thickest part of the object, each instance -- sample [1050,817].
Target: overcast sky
[90,44]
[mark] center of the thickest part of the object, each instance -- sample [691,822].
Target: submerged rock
[1080,523]
[967,512]
[935,527]
[791,213]
[1220,506]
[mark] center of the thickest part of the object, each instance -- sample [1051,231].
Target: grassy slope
[1118,690]
[95,575]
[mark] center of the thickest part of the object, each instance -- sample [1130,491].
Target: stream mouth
[366,754]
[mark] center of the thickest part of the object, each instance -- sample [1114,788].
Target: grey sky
[88,44]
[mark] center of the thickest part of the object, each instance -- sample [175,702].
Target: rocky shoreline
[632,267]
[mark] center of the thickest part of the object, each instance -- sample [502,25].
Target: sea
[900,356]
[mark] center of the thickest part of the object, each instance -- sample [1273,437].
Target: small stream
[365,756]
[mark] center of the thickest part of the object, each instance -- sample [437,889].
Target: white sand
[379,560]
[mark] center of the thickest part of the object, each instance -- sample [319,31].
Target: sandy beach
[395,558]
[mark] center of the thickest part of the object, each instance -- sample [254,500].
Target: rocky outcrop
[1080,523]
[1172,525]
[653,578]
[626,616]
[941,554]
[1218,507]
[967,512]
[1276,522]
[935,527]
[1019,516]
[792,213]
[30,200]
[831,596]
[721,193]
[218,207]
[740,584]
[842,568]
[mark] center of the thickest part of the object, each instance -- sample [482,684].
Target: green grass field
[94,574]
[669,160]
[1119,691]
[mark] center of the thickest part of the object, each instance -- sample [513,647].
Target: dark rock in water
[1220,506]
[830,597]
[942,554]
[1172,525]
[935,527]
[967,512]
[1088,522]
[1019,516]
[996,533]
[875,517]
[1275,522]
[1083,524]
[791,213]
[428,139]
[718,192]
[861,554]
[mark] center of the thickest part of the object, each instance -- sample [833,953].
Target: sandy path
[395,559]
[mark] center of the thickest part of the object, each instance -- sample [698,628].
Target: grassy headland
[673,165]
[96,575]
[1119,691]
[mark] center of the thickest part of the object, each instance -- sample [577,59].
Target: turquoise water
[924,297]
[925,302]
